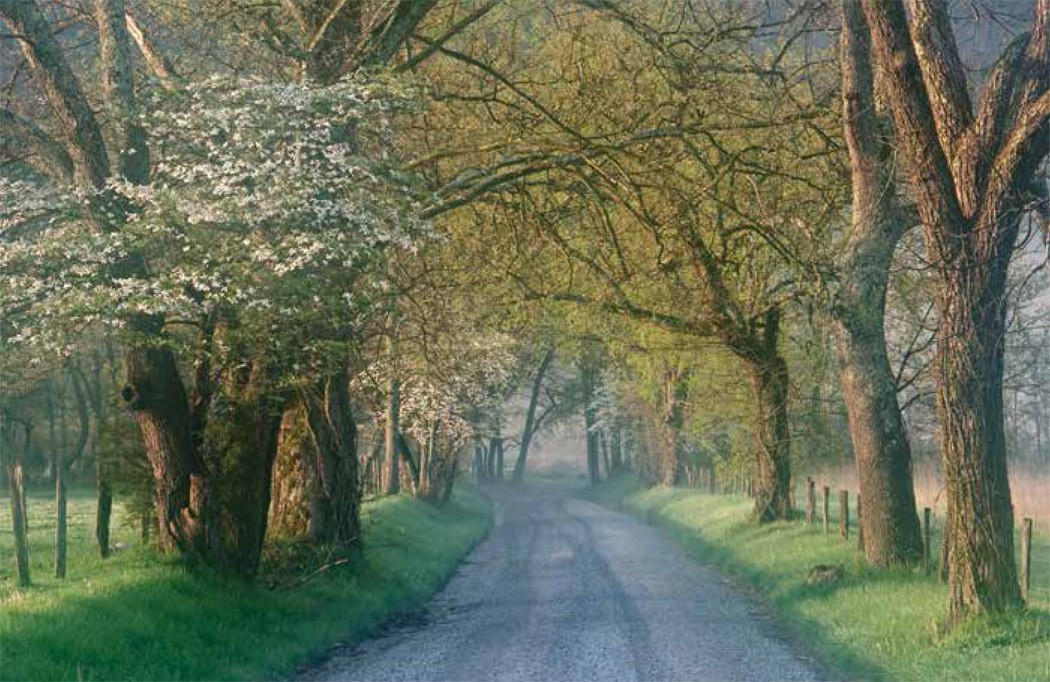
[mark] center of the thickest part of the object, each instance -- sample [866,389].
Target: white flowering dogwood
[449,391]
[270,203]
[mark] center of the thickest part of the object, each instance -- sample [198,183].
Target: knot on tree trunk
[131,397]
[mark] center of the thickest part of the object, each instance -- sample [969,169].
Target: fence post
[791,496]
[811,501]
[1026,556]
[860,526]
[827,520]
[926,539]
[844,514]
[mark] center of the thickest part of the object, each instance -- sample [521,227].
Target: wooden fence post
[1026,556]
[827,520]
[791,495]
[926,539]
[811,501]
[844,514]
[860,526]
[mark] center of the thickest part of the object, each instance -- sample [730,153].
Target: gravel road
[563,589]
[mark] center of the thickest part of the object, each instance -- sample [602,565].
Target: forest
[275,274]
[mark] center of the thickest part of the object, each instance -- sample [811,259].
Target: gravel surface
[563,589]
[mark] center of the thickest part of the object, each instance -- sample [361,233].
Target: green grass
[872,625]
[140,616]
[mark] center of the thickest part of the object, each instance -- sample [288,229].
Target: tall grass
[872,625]
[140,616]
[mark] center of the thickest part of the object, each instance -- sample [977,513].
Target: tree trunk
[103,511]
[157,398]
[426,461]
[880,443]
[589,379]
[13,471]
[235,511]
[295,503]
[769,380]
[60,515]
[391,474]
[675,389]
[970,172]
[530,417]
[62,464]
[408,456]
[616,450]
[336,493]
[982,573]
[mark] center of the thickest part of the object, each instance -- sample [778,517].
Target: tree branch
[54,158]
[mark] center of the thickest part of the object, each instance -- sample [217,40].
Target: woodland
[264,262]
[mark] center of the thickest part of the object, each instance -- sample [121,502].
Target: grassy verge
[872,625]
[138,616]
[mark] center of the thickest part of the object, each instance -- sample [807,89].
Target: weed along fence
[836,507]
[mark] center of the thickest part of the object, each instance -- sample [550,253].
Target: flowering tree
[244,234]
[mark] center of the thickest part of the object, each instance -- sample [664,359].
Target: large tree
[972,170]
[880,442]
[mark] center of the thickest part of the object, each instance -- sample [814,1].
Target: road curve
[563,589]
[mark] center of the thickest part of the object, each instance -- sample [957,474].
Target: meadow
[139,615]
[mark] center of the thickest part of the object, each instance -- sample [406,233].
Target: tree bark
[13,471]
[530,416]
[336,468]
[295,502]
[769,380]
[155,394]
[890,524]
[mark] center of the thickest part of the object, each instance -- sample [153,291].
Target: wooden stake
[827,519]
[811,501]
[860,526]
[844,514]
[1026,556]
[926,539]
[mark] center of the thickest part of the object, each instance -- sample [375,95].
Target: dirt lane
[566,590]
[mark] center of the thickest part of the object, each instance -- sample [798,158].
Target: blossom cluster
[274,201]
